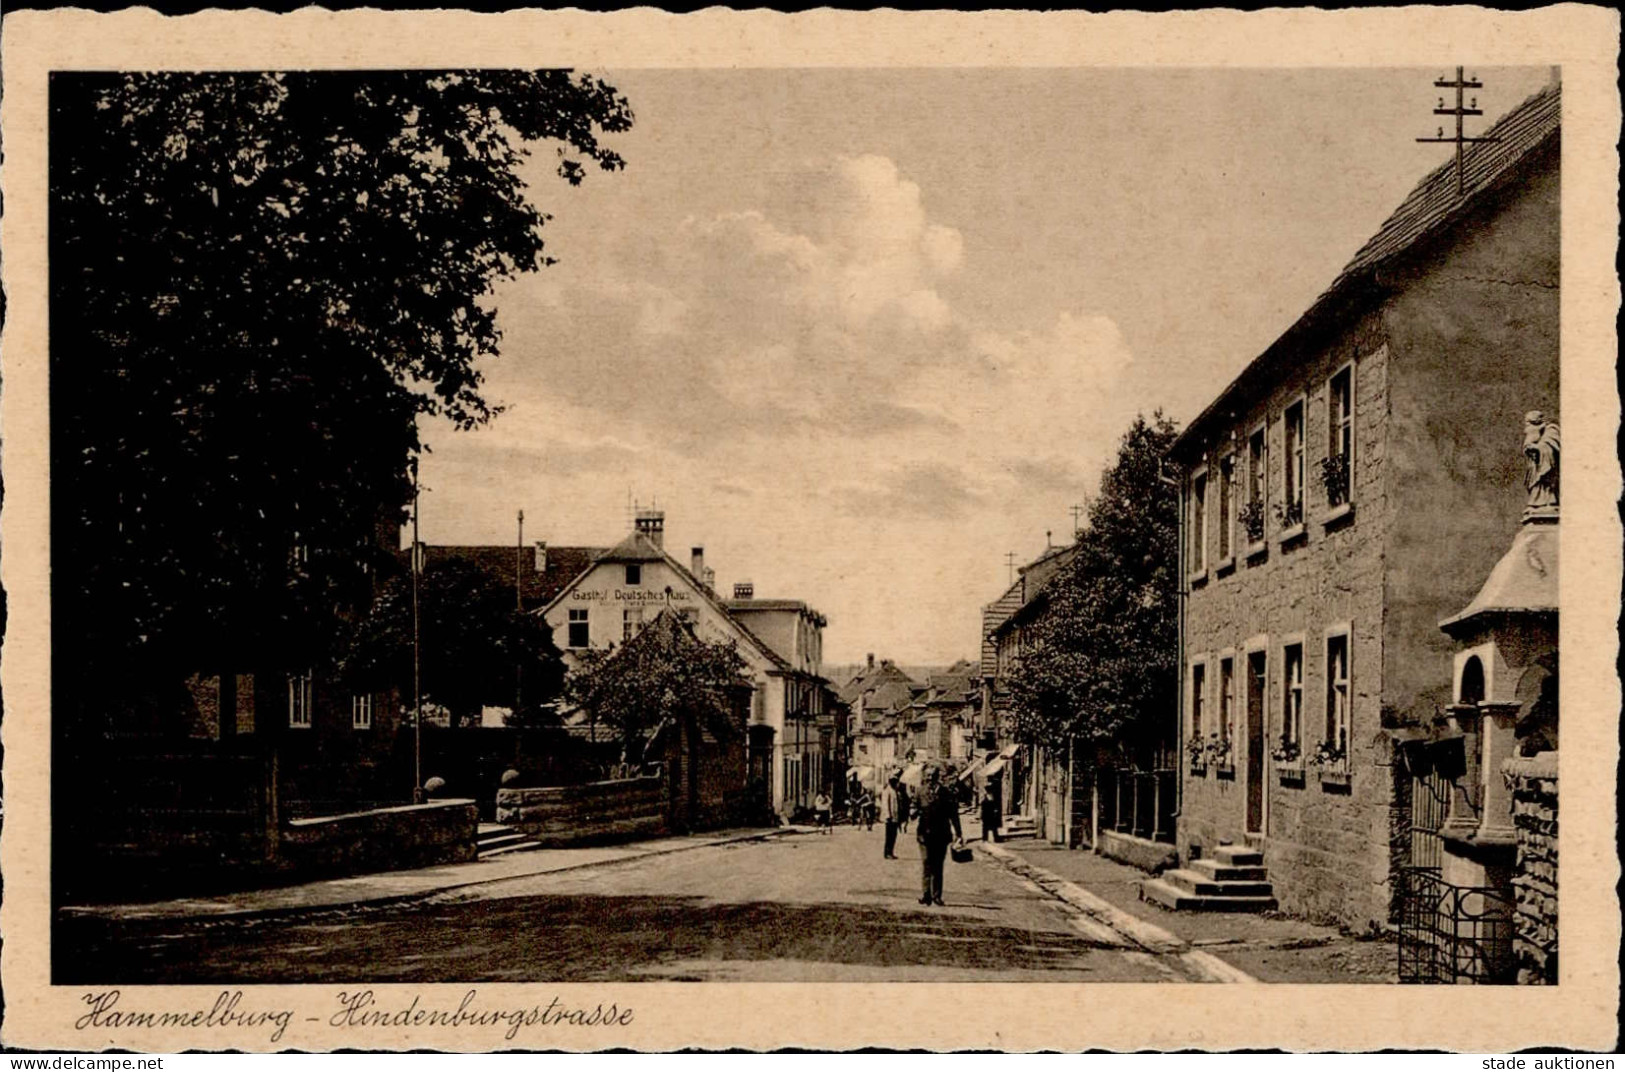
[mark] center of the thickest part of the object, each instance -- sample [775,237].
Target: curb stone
[1149,937]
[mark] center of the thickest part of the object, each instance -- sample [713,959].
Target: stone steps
[496,839]
[1233,879]
[1018,826]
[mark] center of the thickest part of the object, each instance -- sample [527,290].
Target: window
[578,627]
[1253,513]
[634,573]
[631,622]
[1199,523]
[1227,699]
[1292,713]
[689,614]
[1198,694]
[1337,694]
[1292,510]
[1340,432]
[1227,499]
[299,697]
[361,711]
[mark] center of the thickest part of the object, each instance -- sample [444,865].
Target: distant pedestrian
[937,829]
[888,812]
[821,810]
[991,817]
[903,804]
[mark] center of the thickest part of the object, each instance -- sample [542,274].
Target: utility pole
[1010,566]
[417,680]
[1460,111]
[1078,510]
[519,606]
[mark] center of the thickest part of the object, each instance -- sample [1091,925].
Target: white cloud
[794,374]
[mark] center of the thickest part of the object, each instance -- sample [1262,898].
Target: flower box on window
[1196,749]
[1288,759]
[1334,476]
[1330,761]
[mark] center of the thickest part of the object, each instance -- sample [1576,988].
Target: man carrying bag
[937,828]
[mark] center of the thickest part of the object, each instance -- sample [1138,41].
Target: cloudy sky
[861,333]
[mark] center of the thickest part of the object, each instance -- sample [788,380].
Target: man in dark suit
[936,829]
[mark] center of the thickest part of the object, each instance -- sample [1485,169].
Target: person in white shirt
[889,812]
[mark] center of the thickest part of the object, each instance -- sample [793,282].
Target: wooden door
[1255,742]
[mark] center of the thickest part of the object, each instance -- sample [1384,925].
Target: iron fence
[1453,934]
[1139,802]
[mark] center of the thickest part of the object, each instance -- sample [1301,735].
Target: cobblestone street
[793,908]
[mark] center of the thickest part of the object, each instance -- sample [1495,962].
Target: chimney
[652,523]
[871,660]
[541,556]
[696,564]
[744,590]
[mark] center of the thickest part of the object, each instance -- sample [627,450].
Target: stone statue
[1542,449]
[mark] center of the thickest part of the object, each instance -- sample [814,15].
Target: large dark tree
[259,282]
[476,649]
[1100,668]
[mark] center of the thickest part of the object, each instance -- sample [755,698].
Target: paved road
[798,908]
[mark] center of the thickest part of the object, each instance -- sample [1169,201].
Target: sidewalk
[1271,947]
[395,887]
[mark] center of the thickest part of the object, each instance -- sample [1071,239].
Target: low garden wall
[1153,856]
[596,812]
[385,839]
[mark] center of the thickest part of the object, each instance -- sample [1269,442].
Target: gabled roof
[1034,581]
[640,548]
[1431,207]
[637,547]
[537,588]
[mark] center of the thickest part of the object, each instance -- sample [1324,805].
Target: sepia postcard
[1004,531]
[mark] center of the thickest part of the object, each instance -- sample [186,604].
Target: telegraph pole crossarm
[1463,108]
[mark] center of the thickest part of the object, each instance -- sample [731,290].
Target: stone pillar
[1499,744]
[1462,819]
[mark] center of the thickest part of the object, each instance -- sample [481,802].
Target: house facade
[626,587]
[1344,495]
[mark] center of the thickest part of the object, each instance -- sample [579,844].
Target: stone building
[1347,492]
[1029,783]
[626,587]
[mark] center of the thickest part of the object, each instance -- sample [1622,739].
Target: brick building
[1347,492]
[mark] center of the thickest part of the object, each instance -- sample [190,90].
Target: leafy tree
[259,282]
[665,672]
[1100,666]
[477,649]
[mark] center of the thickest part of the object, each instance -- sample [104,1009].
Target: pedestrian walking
[888,812]
[990,815]
[821,810]
[937,829]
[903,804]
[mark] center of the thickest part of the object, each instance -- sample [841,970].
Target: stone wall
[1534,877]
[597,812]
[385,839]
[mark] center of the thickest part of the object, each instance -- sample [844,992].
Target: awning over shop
[993,768]
[974,765]
[1009,751]
[864,774]
[913,774]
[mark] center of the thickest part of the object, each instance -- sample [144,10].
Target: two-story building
[1347,492]
[627,586]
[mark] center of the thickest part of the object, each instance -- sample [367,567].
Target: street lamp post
[417,684]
